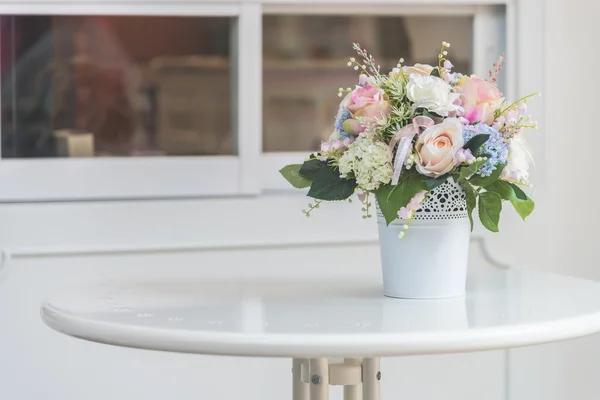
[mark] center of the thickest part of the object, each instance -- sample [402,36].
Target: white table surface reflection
[502,309]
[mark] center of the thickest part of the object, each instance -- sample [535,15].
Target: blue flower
[495,148]
[343,115]
[345,135]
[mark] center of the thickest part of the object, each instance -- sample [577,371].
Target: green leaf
[509,191]
[310,168]
[426,113]
[292,174]
[476,142]
[469,170]
[432,183]
[503,188]
[392,198]
[522,204]
[519,194]
[490,205]
[327,185]
[487,180]
[471,200]
[435,72]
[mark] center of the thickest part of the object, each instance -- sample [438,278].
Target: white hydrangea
[368,161]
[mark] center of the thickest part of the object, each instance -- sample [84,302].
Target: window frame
[250,172]
[60,179]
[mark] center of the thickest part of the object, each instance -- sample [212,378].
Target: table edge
[320,345]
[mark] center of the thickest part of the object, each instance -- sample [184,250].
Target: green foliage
[522,204]
[511,192]
[490,205]
[469,170]
[292,174]
[471,200]
[327,185]
[432,183]
[487,180]
[392,198]
[503,188]
[395,88]
[475,143]
[435,72]
[310,168]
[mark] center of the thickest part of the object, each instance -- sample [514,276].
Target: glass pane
[305,60]
[115,86]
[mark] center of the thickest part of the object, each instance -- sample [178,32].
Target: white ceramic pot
[430,262]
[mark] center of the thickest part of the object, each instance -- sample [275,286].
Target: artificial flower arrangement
[399,136]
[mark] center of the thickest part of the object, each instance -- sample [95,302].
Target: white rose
[432,93]
[436,148]
[517,166]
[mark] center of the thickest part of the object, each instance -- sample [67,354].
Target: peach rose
[368,102]
[420,69]
[437,146]
[480,99]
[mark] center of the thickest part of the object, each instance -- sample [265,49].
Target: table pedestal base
[312,378]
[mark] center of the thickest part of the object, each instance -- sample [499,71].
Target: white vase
[430,261]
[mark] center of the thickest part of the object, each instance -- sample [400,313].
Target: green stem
[499,113]
[311,207]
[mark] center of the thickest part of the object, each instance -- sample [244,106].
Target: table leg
[371,376]
[319,378]
[352,392]
[300,389]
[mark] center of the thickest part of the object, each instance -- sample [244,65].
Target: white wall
[567,242]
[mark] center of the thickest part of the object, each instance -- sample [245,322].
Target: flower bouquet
[430,145]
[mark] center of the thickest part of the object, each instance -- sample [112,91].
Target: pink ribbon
[405,136]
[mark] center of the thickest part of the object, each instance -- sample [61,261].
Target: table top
[502,309]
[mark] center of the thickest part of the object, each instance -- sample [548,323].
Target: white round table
[311,322]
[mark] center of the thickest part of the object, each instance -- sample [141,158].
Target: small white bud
[405,227]
[341,89]
[349,89]
[349,64]
[401,235]
[402,60]
[352,59]
[445,53]
[356,67]
[447,44]
[339,94]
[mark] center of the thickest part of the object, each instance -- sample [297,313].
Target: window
[114,86]
[304,64]
[142,99]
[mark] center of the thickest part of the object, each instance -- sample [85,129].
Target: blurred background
[143,139]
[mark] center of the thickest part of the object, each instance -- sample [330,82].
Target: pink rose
[480,99]
[436,148]
[420,69]
[368,102]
